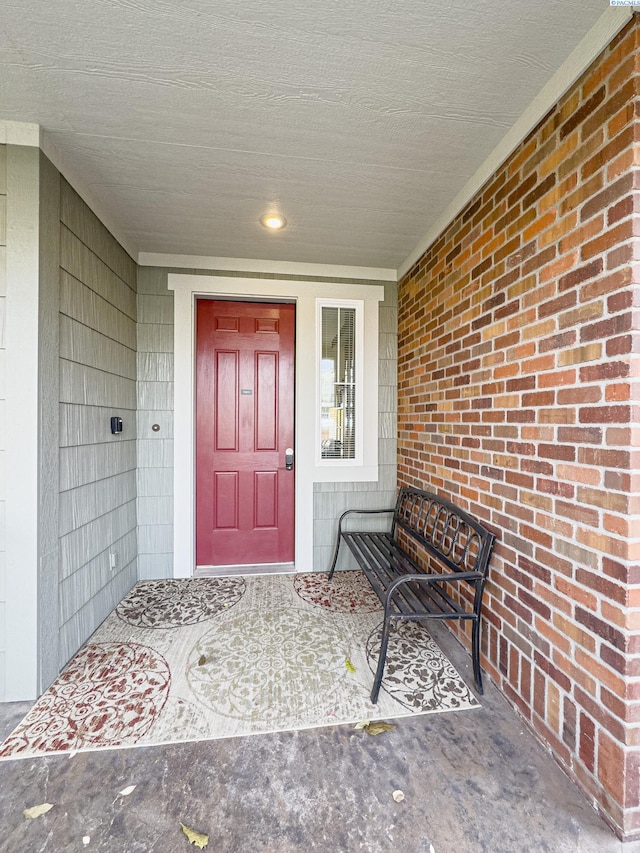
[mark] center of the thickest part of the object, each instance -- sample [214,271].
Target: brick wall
[518,389]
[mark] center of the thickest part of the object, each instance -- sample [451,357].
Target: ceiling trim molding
[598,37]
[205,262]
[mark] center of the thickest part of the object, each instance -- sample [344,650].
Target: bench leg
[335,555]
[475,654]
[381,659]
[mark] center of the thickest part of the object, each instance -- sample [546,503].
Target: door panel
[244,423]
[266,401]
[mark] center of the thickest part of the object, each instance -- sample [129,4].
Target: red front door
[244,426]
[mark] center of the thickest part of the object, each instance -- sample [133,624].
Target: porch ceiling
[185,120]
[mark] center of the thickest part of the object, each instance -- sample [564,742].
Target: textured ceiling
[185,120]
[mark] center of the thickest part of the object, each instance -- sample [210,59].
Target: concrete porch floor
[473,781]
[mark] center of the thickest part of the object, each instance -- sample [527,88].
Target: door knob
[288,458]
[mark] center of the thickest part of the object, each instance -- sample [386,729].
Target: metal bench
[432,564]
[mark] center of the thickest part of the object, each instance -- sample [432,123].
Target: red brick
[583,112]
[605,415]
[607,197]
[518,356]
[583,273]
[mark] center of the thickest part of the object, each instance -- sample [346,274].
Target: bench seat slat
[383,561]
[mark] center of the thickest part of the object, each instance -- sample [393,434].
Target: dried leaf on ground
[362,725]
[202,660]
[37,811]
[350,667]
[377,727]
[197,838]
[126,791]
[398,796]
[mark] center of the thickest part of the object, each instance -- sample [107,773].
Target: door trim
[188,287]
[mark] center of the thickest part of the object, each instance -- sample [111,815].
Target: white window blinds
[338,383]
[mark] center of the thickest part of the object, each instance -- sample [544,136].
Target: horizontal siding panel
[388,347]
[82,222]
[84,345]
[387,424]
[155,366]
[153,280]
[155,566]
[156,309]
[155,509]
[155,395]
[147,420]
[87,307]
[92,425]
[81,263]
[155,538]
[87,542]
[155,481]
[388,372]
[387,398]
[155,453]
[388,321]
[89,386]
[387,450]
[78,506]
[86,619]
[89,463]
[155,338]
[87,582]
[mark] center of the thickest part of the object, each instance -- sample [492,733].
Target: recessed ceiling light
[273,221]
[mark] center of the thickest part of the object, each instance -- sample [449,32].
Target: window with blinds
[338,416]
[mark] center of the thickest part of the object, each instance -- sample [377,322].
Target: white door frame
[187,288]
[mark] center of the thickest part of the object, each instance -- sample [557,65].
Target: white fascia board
[607,26]
[204,262]
[19,133]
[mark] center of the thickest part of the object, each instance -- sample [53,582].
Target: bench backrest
[444,530]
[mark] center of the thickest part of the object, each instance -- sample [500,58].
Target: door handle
[288,459]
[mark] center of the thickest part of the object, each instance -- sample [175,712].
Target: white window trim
[187,287]
[358,460]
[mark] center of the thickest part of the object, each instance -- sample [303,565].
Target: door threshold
[252,569]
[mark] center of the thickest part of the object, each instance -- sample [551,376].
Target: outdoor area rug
[186,660]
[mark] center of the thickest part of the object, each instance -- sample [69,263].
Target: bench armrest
[339,536]
[362,512]
[433,579]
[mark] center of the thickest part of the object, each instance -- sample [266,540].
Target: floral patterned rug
[185,660]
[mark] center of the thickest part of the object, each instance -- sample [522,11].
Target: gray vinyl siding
[3,290]
[155,449]
[155,407]
[97,472]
